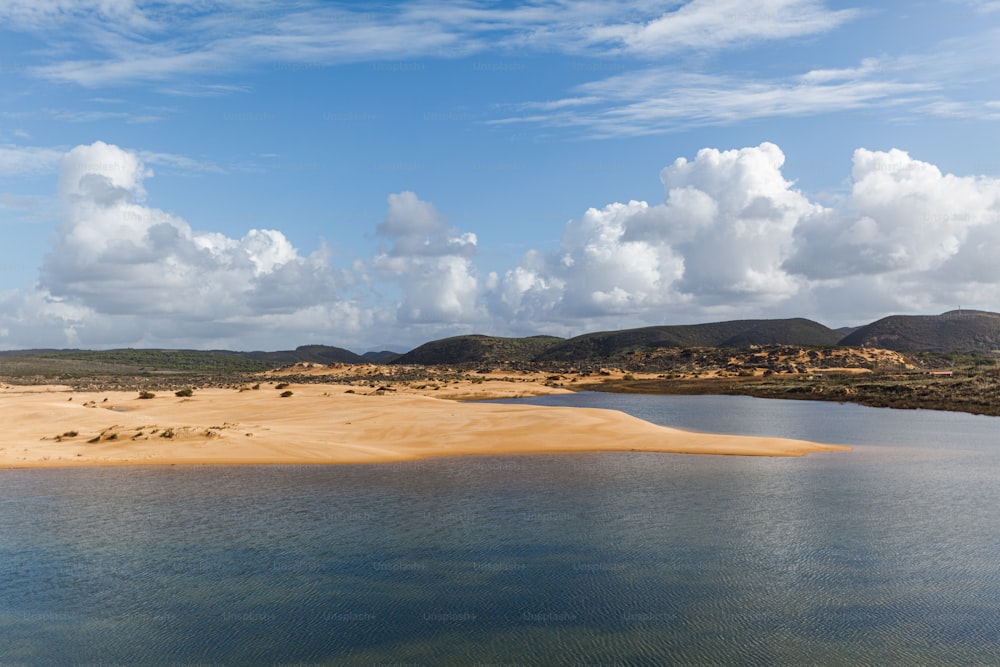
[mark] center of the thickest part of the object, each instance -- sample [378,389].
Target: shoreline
[329,423]
[915,393]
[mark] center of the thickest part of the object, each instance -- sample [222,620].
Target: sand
[323,424]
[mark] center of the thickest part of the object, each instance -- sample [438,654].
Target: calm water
[889,554]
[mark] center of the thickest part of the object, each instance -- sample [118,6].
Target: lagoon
[886,554]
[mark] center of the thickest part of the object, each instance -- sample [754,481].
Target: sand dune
[321,423]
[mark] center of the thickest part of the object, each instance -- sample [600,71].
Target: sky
[261,175]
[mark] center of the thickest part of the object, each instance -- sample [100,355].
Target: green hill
[317,354]
[380,357]
[476,349]
[954,331]
[736,333]
[131,361]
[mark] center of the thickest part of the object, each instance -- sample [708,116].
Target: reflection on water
[886,554]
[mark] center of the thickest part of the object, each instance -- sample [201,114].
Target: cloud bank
[121,272]
[732,237]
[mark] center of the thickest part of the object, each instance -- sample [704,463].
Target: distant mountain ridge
[734,333]
[974,331]
[148,359]
[477,348]
[958,331]
[483,349]
[954,331]
[318,354]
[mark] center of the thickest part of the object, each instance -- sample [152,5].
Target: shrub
[146,394]
[281,385]
[184,393]
[286,394]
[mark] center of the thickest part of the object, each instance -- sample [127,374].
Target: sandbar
[323,424]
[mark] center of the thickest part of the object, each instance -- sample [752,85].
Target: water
[883,555]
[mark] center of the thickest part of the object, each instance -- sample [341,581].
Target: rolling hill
[735,333]
[954,331]
[317,354]
[962,331]
[136,361]
[475,348]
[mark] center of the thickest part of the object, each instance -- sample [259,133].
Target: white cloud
[39,14]
[124,42]
[118,256]
[663,99]
[713,24]
[27,160]
[181,163]
[732,237]
[119,270]
[32,160]
[719,238]
[430,262]
[906,216]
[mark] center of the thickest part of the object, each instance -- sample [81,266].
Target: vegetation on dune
[955,366]
[973,387]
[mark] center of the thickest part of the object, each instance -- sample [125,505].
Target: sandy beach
[53,426]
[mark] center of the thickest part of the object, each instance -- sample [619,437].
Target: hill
[954,331]
[735,333]
[317,354]
[129,361]
[380,357]
[475,349]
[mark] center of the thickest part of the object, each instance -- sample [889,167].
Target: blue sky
[241,174]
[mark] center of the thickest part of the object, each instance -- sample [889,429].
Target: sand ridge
[324,423]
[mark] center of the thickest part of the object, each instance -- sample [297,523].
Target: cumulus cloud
[732,237]
[431,263]
[904,216]
[719,237]
[118,256]
[120,270]
[928,241]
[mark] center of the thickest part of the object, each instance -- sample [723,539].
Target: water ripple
[634,559]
